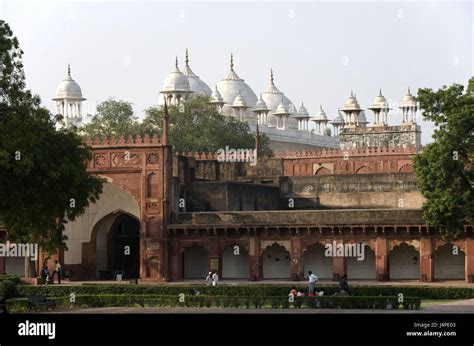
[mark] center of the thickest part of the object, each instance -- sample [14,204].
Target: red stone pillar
[338,264]
[143,250]
[255,259]
[214,256]
[426,259]
[469,263]
[2,265]
[296,267]
[381,259]
[174,260]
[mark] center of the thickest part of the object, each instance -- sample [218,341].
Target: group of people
[313,291]
[212,278]
[47,277]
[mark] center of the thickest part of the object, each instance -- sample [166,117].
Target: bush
[424,292]
[325,302]
[14,278]
[8,289]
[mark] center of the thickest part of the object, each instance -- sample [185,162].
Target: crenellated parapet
[344,152]
[124,142]
[199,155]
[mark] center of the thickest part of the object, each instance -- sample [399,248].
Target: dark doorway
[124,247]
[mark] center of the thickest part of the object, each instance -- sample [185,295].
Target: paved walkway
[461,306]
[457,283]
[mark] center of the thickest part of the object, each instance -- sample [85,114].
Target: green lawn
[430,302]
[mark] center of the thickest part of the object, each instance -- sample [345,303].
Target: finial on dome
[69,70]
[409,91]
[380,92]
[321,108]
[176,64]
[187,57]
[271,76]
[302,105]
[352,94]
[231,62]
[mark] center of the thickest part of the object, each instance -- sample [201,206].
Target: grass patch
[432,302]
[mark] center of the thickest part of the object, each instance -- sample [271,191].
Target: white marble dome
[351,103]
[68,88]
[239,102]
[379,102]
[229,88]
[176,81]
[282,109]
[408,100]
[196,85]
[216,96]
[260,105]
[302,112]
[338,119]
[273,97]
[321,115]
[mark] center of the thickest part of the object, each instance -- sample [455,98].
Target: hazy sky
[319,50]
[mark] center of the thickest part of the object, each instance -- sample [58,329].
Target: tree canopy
[43,177]
[195,125]
[444,168]
[113,118]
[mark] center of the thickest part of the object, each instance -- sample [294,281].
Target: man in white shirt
[57,270]
[215,279]
[312,282]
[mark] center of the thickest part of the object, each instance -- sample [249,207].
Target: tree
[444,168]
[113,118]
[196,125]
[43,177]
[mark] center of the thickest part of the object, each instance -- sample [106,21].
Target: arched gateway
[125,228]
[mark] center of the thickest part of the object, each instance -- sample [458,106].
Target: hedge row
[200,301]
[14,278]
[245,290]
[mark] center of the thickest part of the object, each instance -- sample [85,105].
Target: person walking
[209,278]
[215,279]
[344,286]
[58,271]
[312,282]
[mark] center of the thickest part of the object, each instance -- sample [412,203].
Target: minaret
[261,110]
[380,109]
[351,110]
[69,101]
[302,117]
[216,99]
[239,106]
[409,108]
[281,114]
